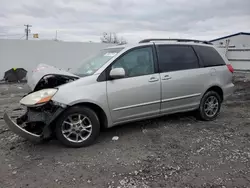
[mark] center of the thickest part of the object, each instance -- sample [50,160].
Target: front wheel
[210,106]
[77,127]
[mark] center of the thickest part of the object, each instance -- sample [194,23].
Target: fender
[84,90]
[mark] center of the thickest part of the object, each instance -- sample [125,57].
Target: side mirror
[117,73]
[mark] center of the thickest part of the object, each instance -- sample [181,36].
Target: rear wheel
[79,126]
[210,106]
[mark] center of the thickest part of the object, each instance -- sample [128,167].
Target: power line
[13,36]
[6,26]
[9,35]
[22,37]
[27,31]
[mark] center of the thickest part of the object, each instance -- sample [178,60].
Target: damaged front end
[37,123]
[46,76]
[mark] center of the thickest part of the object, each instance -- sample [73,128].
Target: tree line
[112,38]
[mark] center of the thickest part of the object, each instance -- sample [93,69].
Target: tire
[75,130]
[201,112]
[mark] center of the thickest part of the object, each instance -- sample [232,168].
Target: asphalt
[172,151]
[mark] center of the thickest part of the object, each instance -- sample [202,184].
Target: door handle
[153,79]
[166,77]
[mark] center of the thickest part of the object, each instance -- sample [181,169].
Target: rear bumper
[20,131]
[228,90]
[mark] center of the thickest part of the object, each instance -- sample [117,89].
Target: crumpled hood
[42,71]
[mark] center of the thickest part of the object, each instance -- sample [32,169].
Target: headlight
[38,97]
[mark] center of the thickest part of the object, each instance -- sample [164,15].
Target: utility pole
[27,31]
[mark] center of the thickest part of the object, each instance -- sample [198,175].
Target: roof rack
[177,40]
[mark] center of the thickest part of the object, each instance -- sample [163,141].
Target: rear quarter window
[209,56]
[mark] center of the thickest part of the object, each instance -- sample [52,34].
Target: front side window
[176,57]
[94,63]
[137,62]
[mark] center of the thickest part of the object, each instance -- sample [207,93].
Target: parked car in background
[123,84]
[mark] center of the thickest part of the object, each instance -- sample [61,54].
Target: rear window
[176,57]
[210,57]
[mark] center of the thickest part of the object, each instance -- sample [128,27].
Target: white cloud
[85,20]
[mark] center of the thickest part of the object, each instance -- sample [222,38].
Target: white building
[238,40]
[237,49]
[28,54]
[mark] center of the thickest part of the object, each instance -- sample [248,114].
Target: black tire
[201,114]
[90,114]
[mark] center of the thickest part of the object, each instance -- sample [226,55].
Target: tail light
[230,68]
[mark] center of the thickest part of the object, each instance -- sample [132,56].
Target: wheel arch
[217,89]
[102,116]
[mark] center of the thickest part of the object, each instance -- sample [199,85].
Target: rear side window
[176,57]
[210,57]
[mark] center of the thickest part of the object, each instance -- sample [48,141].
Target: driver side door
[138,94]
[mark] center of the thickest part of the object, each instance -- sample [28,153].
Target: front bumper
[21,131]
[35,124]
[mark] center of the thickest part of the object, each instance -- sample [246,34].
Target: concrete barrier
[28,54]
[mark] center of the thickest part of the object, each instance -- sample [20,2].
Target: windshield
[91,65]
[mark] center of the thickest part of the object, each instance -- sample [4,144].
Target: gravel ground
[172,151]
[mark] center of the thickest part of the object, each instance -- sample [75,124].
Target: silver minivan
[122,84]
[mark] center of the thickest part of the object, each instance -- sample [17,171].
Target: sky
[134,20]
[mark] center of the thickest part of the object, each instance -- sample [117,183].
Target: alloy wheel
[211,106]
[77,128]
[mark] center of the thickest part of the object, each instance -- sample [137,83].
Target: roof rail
[177,40]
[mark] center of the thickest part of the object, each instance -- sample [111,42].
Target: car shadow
[107,134]
[153,123]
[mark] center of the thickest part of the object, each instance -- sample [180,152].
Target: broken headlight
[38,98]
